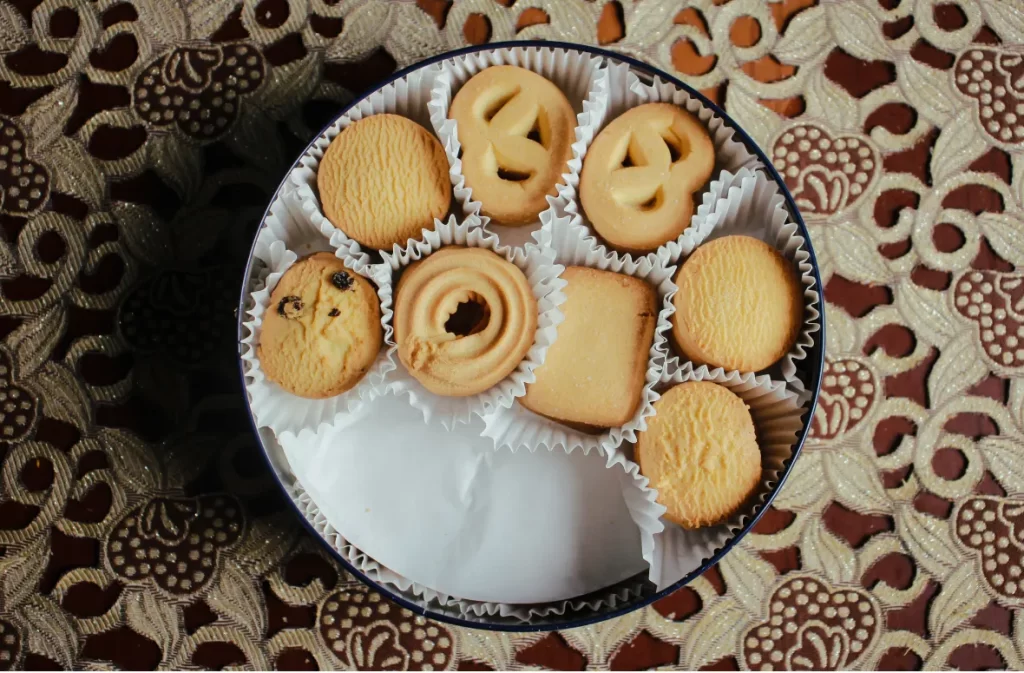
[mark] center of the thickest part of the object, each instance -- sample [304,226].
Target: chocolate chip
[334,313]
[290,306]
[342,280]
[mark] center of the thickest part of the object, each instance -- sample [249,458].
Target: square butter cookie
[594,372]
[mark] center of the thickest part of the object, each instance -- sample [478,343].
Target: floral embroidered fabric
[140,142]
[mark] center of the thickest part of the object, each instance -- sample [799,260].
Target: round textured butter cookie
[700,452]
[322,331]
[739,306]
[516,132]
[383,180]
[464,320]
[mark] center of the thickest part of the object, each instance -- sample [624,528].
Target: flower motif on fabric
[826,174]
[185,315]
[10,646]
[813,626]
[17,405]
[994,79]
[174,541]
[199,89]
[849,390]
[366,631]
[25,184]
[994,301]
[993,529]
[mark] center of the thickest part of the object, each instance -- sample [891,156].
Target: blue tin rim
[816,356]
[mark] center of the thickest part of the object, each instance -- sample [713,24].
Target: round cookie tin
[541,611]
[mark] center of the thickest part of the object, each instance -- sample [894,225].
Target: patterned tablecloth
[140,141]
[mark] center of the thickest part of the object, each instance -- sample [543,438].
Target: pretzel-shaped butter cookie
[640,174]
[516,131]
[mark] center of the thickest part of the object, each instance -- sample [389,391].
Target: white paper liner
[672,551]
[307,442]
[618,89]
[750,204]
[574,72]
[407,97]
[517,427]
[543,276]
[286,236]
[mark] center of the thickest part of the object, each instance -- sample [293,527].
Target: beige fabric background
[139,144]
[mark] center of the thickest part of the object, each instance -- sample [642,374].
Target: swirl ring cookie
[460,360]
[383,180]
[640,174]
[322,331]
[700,452]
[516,132]
[739,306]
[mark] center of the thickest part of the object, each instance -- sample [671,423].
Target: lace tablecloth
[140,141]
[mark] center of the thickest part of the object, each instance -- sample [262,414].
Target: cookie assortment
[657,314]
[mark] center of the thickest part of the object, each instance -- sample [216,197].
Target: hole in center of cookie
[654,202]
[511,175]
[678,148]
[470,317]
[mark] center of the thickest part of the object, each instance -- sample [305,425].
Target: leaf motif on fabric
[1005,233]
[494,648]
[61,394]
[1003,456]
[601,641]
[761,123]
[206,16]
[806,484]
[165,23]
[927,89]
[807,38]
[957,369]
[21,570]
[47,117]
[827,100]
[855,255]
[822,551]
[14,33]
[857,31]
[1005,19]
[32,343]
[959,144]
[136,464]
[152,616]
[961,597]
[365,29]
[747,578]
[238,598]
[926,313]
[928,540]
[715,633]
[854,481]
[49,631]
[74,171]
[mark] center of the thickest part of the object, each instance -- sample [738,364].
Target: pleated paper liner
[618,90]
[672,551]
[574,72]
[287,235]
[751,205]
[543,276]
[517,427]
[407,97]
